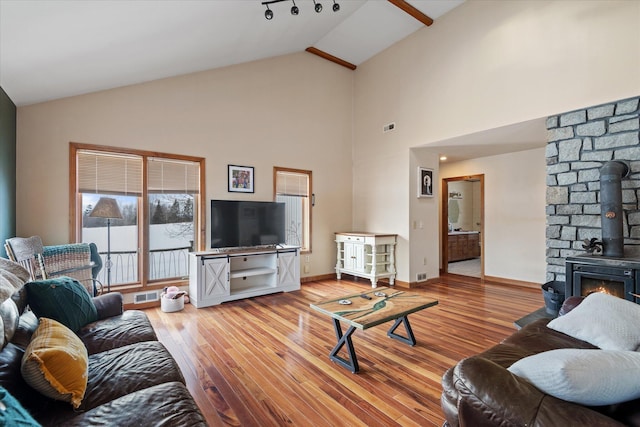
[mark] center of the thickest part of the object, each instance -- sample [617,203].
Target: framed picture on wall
[241,179]
[425,182]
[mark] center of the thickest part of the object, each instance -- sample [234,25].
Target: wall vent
[389,127]
[421,277]
[141,297]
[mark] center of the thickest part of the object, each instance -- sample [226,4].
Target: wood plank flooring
[264,361]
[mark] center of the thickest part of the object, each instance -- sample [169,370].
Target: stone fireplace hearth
[579,144]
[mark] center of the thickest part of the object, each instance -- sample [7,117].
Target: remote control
[365,296]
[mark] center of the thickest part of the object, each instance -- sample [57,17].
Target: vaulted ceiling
[51,49]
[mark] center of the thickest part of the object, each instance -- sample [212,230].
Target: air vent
[389,127]
[421,277]
[145,297]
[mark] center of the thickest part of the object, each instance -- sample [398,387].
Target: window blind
[173,176]
[292,184]
[106,173]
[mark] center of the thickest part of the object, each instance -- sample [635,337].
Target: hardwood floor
[264,361]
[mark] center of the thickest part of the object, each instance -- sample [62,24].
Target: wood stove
[617,276]
[610,273]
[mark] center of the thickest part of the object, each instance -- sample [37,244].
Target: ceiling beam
[329,57]
[402,4]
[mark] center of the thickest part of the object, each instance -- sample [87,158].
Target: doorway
[463,225]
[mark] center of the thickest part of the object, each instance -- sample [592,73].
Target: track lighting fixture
[268,14]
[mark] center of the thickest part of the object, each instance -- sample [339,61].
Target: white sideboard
[216,277]
[368,255]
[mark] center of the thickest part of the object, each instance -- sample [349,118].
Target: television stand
[227,275]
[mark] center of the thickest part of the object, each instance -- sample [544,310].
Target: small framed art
[425,182]
[241,179]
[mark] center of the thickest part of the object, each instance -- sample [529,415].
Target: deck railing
[163,264]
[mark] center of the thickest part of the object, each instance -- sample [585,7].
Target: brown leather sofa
[132,378]
[480,391]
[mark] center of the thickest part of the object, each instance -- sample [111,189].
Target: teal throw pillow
[12,413]
[63,299]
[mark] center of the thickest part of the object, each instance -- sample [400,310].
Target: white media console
[219,276]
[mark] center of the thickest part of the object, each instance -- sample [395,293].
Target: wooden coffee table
[368,309]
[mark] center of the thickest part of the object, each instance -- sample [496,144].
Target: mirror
[463,205]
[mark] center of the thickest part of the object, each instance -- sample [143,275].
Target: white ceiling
[51,49]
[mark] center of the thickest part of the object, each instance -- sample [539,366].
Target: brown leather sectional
[132,378]
[480,391]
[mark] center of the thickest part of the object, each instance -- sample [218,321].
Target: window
[159,199]
[293,187]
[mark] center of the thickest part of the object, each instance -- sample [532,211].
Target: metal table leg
[352,362]
[410,338]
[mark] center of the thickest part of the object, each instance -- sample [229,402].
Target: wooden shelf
[252,272]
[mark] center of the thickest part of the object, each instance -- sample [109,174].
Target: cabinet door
[455,248]
[474,245]
[215,278]
[288,269]
[354,256]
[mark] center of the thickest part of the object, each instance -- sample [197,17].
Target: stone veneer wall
[579,143]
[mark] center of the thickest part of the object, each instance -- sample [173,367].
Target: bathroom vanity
[463,245]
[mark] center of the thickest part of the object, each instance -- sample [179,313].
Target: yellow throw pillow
[56,363]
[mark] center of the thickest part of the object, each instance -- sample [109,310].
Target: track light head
[317,6]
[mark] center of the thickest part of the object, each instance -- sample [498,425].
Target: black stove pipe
[611,175]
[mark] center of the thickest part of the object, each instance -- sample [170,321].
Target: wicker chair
[80,261]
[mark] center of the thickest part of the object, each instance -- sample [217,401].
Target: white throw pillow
[603,320]
[587,377]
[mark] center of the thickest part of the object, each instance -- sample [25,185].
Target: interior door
[462,212]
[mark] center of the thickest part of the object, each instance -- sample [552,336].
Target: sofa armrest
[490,395]
[569,304]
[109,305]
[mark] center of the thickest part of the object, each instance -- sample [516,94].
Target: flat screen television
[237,223]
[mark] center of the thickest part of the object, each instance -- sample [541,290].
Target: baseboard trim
[330,276]
[381,282]
[412,285]
[512,282]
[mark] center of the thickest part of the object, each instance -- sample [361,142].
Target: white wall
[422,224]
[514,215]
[293,111]
[484,65]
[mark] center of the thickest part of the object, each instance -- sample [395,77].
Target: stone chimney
[579,144]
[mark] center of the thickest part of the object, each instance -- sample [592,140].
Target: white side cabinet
[368,255]
[216,277]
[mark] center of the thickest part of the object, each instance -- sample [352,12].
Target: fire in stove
[591,273]
[610,287]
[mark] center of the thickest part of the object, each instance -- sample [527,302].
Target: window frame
[75,206]
[310,199]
